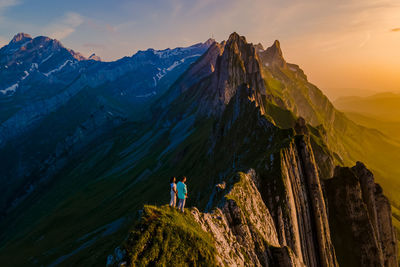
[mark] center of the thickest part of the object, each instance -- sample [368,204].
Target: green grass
[283,118]
[166,237]
[389,128]
[240,185]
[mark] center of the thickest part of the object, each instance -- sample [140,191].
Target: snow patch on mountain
[172,52]
[24,44]
[59,68]
[47,58]
[26,75]
[164,71]
[34,66]
[175,64]
[14,87]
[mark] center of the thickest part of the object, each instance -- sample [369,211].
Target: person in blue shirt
[182,193]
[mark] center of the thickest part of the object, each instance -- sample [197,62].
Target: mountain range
[85,144]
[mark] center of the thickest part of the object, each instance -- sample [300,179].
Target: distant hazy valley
[379,111]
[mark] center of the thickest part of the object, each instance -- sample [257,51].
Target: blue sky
[351,39]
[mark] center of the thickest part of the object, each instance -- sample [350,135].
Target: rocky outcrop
[298,206]
[237,65]
[244,230]
[94,57]
[360,219]
[273,56]
[21,36]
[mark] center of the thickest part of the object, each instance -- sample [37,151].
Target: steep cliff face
[300,209]
[360,219]
[243,229]
[237,65]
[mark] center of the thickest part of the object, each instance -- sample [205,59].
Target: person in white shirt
[173,192]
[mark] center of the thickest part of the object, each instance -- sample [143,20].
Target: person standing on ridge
[173,192]
[182,193]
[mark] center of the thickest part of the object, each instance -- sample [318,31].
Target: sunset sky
[344,46]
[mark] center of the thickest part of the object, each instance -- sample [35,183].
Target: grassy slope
[389,128]
[165,236]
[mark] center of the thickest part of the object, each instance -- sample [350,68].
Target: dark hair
[172,179]
[183,178]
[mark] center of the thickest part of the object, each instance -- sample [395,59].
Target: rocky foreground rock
[295,230]
[361,218]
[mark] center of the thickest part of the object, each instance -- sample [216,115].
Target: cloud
[8,3]
[4,4]
[66,26]
[395,30]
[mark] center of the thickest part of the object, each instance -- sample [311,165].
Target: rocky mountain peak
[21,37]
[209,42]
[259,47]
[236,39]
[276,48]
[94,57]
[273,55]
[237,66]
[238,45]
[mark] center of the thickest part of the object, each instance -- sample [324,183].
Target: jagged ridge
[291,192]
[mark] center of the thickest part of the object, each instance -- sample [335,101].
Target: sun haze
[345,47]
